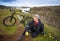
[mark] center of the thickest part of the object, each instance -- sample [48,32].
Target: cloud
[30,3]
[7,0]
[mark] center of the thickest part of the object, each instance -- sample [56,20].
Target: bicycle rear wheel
[28,19]
[8,21]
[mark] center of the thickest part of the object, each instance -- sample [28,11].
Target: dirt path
[14,37]
[18,33]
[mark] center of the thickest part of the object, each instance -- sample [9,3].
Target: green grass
[10,30]
[51,34]
[3,14]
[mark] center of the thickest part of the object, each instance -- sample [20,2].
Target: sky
[29,3]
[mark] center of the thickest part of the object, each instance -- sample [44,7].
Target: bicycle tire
[28,19]
[10,18]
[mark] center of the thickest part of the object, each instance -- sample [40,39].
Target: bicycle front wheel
[8,21]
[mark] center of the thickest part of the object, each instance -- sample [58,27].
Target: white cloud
[29,3]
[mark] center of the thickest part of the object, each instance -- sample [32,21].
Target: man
[35,27]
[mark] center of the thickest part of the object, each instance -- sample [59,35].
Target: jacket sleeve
[41,25]
[28,26]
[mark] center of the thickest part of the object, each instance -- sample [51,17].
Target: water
[24,10]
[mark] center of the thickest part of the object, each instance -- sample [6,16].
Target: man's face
[35,19]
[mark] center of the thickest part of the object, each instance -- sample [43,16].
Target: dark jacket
[33,28]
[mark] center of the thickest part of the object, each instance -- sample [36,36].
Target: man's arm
[28,26]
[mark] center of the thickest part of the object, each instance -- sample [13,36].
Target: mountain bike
[11,20]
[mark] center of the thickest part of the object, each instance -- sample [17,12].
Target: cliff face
[49,15]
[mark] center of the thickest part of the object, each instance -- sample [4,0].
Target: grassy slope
[3,14]
[49,30]
[9,30]
[51,34]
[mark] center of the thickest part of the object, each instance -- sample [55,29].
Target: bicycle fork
[11,19]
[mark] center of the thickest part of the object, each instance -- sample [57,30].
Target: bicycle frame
[22,18]
[12,16]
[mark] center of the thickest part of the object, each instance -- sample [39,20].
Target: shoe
[20,38]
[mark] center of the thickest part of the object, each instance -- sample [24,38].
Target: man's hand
[26,33]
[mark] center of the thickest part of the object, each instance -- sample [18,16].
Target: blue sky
[29,3]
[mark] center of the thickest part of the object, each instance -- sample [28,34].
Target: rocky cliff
[49,14]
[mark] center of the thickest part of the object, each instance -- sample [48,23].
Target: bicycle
[11,20]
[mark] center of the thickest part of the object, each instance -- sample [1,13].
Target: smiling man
[34,27]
